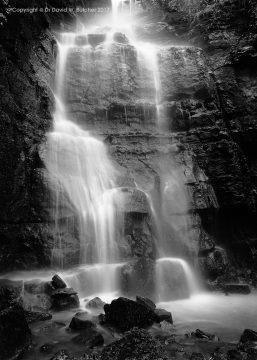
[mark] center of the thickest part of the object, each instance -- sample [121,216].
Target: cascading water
[83,175]
[79,165]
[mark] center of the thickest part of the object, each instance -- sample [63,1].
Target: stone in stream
[125,314]
[15,335]
[161,315]
[63,299]
[81,321]
[95,303]
[89,338]
[137,344]
[248,335]
[204,335]
[58,282]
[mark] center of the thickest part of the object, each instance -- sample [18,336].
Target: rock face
[26,104]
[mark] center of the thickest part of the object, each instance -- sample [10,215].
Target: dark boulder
[146,302]
[81,321]
[137,344]
[126,314]
[161,315]
[64,299]
[248,335]
[15,335]
[95,304]
[58,282]
[89,338]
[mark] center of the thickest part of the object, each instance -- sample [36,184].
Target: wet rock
[137,344]
[125,314]
[146,302]
[15,335]
[236,289]
[161,315]
[58,282]
[248,335]
[89,338]
[81,321]
[95,303]
[62,355]
[49,288]
[204,335]
[64,299]
[34,316]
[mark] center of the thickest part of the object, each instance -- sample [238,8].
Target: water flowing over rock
[179,119]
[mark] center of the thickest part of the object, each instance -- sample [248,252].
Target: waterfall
[84,178]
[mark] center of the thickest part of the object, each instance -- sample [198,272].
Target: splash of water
[191,279]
